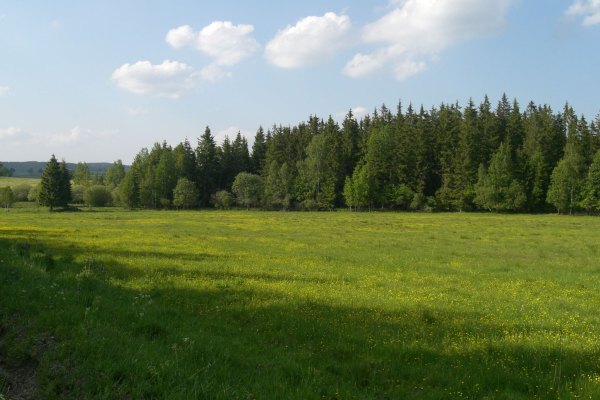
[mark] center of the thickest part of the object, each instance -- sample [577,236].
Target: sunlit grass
[302,305]
[12,182]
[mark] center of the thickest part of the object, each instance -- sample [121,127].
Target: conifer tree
[207,167]
[55,186]
[259,150]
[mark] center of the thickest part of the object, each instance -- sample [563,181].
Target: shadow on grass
[110,340]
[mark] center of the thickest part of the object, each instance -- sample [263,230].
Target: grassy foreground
[185,305]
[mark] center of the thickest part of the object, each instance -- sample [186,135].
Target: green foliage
[248,189]
[7,197]
[185,194]
[82,174]
[129,190]
[55,189]
[5,171]
[567,181]
[21,191]
[357,189]
[591,193]
[78,193]
[496,188]
[259,152]
[34,193]
[97,196]
[402,196]
[207,166]
[317,174]
[115,174]
[223,200]
[278,186]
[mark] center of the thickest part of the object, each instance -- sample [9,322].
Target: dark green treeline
[477,157]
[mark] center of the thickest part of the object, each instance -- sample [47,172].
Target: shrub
[21,192]
[97,196]
[222,200]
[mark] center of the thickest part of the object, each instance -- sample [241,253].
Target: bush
[34,193]
[78,192]
[97,196]
[185,194]
[7,198]
[248,189]
[222,200]
[21,192]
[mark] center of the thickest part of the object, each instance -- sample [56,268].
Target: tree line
[448,158]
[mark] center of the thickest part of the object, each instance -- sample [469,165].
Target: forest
[448,158]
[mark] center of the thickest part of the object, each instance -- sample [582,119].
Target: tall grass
[114,304]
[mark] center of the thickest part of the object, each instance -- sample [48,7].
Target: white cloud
[66,138]
[226,43]
[9,132]
[4,90]
[213,73]
[170,79]
[589,10]
[365,64]
[308,42]
[407,68]
[74,135]
[416,31]
[180,37]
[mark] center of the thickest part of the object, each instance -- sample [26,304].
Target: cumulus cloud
[65,138]
[213,73]
[170,79]
[4,90]
[9,132]
[226,43]
[416,31]
[308,42]
[589,10]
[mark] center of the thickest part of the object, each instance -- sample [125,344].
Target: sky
[98,81]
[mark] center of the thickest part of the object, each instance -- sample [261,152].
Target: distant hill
[33,169]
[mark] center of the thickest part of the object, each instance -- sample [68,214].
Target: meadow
[110,304]
[12,181]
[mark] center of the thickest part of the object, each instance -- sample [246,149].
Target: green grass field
[110,304]
[12,182]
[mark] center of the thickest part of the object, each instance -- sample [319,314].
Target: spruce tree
[207,167]
[259,150]
[53,189]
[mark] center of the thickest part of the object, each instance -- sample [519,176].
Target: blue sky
[97,81]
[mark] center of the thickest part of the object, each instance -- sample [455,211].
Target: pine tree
[207,167]
[55,189]
[185,160]
[259,150]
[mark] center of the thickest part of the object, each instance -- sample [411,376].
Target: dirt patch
[19,382]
